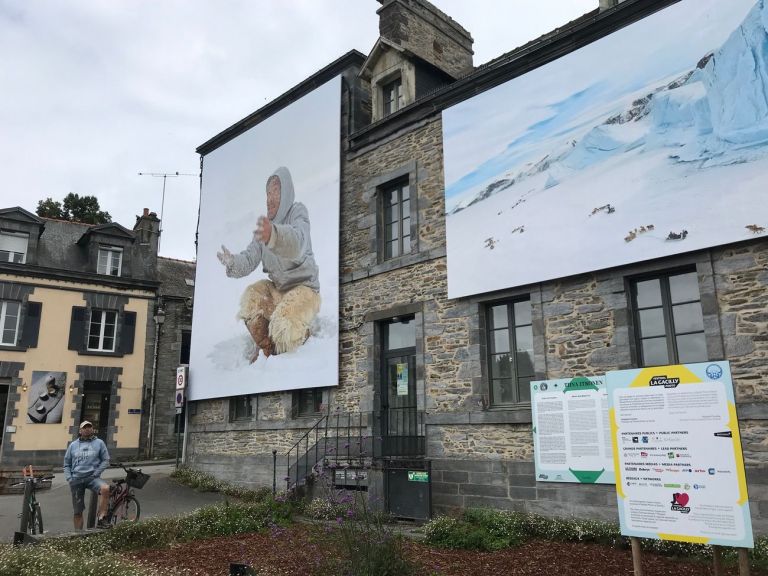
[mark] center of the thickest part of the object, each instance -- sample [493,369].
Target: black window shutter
[127,332]
[31,328]
[77,327]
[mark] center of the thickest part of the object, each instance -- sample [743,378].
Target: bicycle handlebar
[33,479]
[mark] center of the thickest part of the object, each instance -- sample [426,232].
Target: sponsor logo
[635,439]
[645,439]
[714,371]
[699,486]
[658,470]
[671,485]
[630,468]
[662,380]
[727,434]
[656,484]
[671,455]
[686,486]
[544,476]
[544,386]
[644,454]
[679,503]
[711,471]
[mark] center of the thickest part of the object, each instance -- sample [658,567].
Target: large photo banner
[571,435]
[621,151]
[267,285]
[677,454]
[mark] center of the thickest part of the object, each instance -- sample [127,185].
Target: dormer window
[392,96]
[110,260]
[13,246]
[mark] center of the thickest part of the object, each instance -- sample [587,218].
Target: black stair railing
[350,439]
[300,457]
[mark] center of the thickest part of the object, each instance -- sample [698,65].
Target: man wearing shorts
[86,458]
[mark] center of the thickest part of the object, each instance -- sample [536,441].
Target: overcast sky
[94,91]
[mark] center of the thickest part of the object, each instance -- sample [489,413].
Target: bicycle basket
[136,479]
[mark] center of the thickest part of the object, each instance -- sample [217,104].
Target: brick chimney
[430,34]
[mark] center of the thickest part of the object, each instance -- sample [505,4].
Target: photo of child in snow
[278,311]
[266,313]
[46,397]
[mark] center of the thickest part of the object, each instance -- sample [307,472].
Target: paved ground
[161,496]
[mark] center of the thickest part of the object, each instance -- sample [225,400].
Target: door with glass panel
[399,418]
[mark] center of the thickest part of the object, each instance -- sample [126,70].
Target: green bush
[477,529]
[207,483]
[485,529]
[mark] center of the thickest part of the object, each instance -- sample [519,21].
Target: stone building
[177,280]
[475,437]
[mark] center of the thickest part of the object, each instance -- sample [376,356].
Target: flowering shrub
[40,561]
[486,529]
[366,544]
[207,483]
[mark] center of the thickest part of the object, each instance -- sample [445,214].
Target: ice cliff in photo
[713,115]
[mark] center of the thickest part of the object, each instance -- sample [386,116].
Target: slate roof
[173,275]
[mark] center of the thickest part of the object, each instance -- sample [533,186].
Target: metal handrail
[349,436]
[297,447]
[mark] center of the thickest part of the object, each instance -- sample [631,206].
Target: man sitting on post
[86,458]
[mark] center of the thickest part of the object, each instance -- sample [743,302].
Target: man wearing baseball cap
[86,458]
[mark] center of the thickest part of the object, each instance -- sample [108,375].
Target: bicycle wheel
[36,520]
[128,511]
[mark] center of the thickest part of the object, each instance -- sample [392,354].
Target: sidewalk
[160,497]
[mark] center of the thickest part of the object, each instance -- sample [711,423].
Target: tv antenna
[164,176]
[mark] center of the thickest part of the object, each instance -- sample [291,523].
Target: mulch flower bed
[302,549]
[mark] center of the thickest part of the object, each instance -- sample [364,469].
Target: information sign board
[571,436]
[677,454]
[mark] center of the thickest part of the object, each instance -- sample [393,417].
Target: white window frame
[11,235]
[110,253]
[102,330]
[398,102]
[3,314]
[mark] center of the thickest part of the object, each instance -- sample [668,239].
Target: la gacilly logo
[680,501]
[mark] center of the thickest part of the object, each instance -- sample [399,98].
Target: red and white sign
[181,377]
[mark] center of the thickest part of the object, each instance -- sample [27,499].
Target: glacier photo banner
[677,455]
[266,314]
[571,436]
[621,151]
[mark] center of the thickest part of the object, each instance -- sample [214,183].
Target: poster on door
[46,397]
[402,379]
[571,436]
[677,454]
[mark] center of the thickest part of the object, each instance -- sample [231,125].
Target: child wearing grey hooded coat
[278,312]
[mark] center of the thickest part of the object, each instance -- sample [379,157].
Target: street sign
[178,410]
[418,476]
[179,399]
[181,377]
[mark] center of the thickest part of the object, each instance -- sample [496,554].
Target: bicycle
[123,504]
[31,515]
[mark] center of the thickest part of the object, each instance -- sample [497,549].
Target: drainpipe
[159,319]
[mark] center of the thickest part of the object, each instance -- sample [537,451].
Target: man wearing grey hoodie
[278,312]
[86,458]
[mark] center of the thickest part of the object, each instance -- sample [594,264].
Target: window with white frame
[10,312]
[101,332]
[13,246]
[110,261]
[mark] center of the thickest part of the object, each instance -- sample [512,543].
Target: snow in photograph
[622,151]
